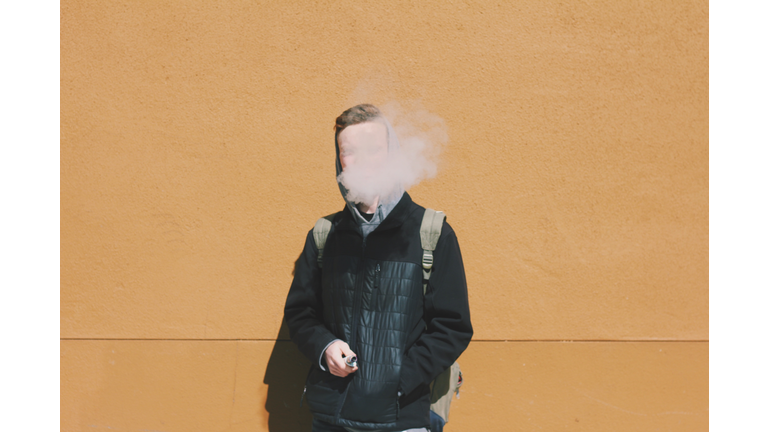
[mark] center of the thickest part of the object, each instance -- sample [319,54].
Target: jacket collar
[394,219]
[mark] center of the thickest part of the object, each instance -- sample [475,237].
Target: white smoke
[366,181]
[416,140]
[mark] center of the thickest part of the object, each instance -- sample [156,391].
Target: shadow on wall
[286,372]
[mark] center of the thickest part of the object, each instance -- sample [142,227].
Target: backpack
[449,381]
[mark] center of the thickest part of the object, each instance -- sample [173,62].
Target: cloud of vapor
[366,181]
[414,142]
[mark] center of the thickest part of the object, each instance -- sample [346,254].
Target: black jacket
[369,294]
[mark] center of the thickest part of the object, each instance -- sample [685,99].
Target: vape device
[351,361]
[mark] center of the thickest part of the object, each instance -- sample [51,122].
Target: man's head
[363,144]
[361,135]
[362,139]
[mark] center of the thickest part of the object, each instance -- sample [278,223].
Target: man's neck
[365,208]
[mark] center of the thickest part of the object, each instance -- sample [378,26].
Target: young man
[365,300]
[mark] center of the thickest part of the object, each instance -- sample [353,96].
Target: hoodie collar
[394,219]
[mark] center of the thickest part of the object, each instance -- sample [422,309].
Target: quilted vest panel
[372,305]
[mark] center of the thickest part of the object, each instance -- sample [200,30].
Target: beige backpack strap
[431,226]
[448,382]
[320,233]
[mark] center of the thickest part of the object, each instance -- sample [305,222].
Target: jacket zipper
[358,300]
[355,318]
[301,401]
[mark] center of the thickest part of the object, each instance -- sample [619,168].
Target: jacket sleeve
[303,311]
[446,315]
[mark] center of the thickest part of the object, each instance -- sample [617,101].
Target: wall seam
[474,340]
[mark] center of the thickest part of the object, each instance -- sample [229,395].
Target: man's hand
[334,357]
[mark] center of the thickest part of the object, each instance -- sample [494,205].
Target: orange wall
[197,151]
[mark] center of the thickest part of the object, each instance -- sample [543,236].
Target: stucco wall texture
[197,151]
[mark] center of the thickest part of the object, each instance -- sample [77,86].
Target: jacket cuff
[322,355]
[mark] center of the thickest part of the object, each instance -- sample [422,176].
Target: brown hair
[357,114]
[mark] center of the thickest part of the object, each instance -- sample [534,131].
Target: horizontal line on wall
[590,340]
[473,340]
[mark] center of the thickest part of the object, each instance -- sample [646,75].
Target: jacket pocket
[372,396]
[324,391]
[371,409]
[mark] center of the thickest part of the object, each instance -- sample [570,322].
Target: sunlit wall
[197,151]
